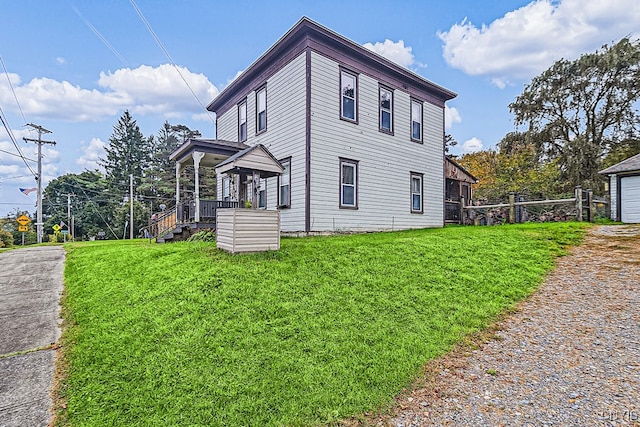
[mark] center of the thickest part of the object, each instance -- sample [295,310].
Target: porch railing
[162,223]
[186,211]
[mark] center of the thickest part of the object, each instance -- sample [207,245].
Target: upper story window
[416,192]
[386,110]
[416,120]
[242,121]
[348,183]
[261,110]
[348,96]
[284,184]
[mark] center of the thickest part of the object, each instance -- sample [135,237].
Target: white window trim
[262,189]
[420,121]
[381,110]
[416,175]
[355,97]
[242,107]
[354,164]
[284,162]
[226,188]
[258,92]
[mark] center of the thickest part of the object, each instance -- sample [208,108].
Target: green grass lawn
[325,328]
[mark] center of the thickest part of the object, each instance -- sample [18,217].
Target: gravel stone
[568,356]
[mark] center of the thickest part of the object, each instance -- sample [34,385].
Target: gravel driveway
[568,356]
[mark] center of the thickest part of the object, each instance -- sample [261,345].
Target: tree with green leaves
[578,111]
[515,167]
[92,206]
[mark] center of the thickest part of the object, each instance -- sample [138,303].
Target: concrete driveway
[31,282]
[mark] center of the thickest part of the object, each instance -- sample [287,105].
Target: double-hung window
[261,110]
[242,121]
[416,192]
[262,194]
[416,120]
[386,110]
[226,189]
[348,184]
[284,184]
[348,96]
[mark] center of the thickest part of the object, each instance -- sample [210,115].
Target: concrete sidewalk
[31,282]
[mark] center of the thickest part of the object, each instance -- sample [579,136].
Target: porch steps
[174,235]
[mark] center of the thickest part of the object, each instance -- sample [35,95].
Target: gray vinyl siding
[227,125]
[385,161]
[284,137]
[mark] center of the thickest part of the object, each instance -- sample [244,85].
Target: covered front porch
[243,166]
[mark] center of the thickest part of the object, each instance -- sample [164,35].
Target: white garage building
[624,190]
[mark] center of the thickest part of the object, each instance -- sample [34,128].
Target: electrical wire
[17,155]
[100,36]
[166,52]
[15,144]
[12,89]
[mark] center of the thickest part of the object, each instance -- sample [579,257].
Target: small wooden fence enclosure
[583,202]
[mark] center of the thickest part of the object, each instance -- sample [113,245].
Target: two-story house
[360,137]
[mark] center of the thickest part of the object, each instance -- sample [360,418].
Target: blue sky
[75,66]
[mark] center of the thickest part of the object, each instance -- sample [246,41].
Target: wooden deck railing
[184,213]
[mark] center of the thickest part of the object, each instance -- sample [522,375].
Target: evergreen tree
[128,153]
[160,183]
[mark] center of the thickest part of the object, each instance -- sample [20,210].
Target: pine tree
[128,153]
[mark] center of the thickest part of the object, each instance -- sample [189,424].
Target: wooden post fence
[576,200]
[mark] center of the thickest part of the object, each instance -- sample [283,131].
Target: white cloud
[159,89]
[472,145]
[142,90]
[91,154]
[7,170]
[60,60]
[393,51]
[528,40]
[451,116]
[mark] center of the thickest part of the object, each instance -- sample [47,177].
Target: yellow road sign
[56,228]
[23,220]
[23,228]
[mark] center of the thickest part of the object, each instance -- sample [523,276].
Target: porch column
[197,156]
[177,184]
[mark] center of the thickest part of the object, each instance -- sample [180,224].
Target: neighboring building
[457,184]
[624,190]
[360,137]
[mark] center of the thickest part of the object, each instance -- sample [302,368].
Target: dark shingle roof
[629,165]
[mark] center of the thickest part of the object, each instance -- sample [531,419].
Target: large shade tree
[576,112]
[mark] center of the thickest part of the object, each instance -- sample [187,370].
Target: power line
[15,144]
[100,36]
[12,89]
[17,155]
[166,52]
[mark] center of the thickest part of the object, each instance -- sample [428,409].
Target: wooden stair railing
[164,223]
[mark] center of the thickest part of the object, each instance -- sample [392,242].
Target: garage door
[630,199]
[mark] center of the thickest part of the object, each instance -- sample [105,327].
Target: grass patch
[325,328]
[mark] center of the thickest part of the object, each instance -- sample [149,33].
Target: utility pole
[131,206]
[69,217]
[39,141]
